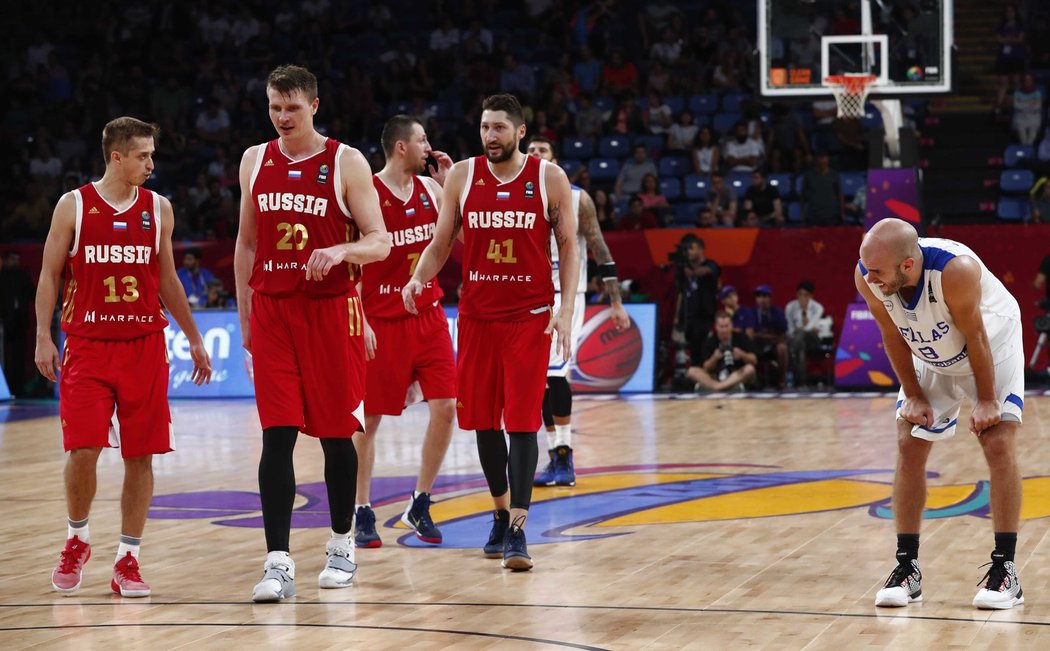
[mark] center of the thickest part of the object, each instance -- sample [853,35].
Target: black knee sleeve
[560,396]
[340,477]
[277,485]
[548,416]
[492,451]
[522,468]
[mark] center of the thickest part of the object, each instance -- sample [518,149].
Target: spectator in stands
[1028,110]
[659,79]
[70,145]
[216,296]
[742,316]
[853,143]
[682,133]
[726,359]
[705,218]
[637,217]
[668,49]
[1010,60]
[657,116]
[517,78]
[741,152]
[605,210]
[821,194]
[657,18]
[444,38]
[619,76]
[30,218]
[16,301]
[1041,201]
[45,167]
[706,154]
[805,323]
[787,146]
[652,200]
[213,124]
[629,181]
[768,331]
[824,113]
[696,282]
[627,119]
[727,74]
[721,198]
[194,277]
[588,70]
[763,201]
[853,212]
[588,120]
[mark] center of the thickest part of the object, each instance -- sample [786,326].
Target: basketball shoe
[66,576]
[564,471]
[278,579]
[365,534]
[500,523]
[1003,588]
[546,476]
[340,568]
[904,585]
[127,582]
[515,550]
[417,516]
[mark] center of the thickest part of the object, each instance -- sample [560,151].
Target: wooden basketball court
[701,523]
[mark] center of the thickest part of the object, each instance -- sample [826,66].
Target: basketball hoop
[850,91]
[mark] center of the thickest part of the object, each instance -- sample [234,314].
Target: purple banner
[861,360]
[891,193]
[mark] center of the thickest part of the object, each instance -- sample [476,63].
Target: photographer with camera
[216,297]
[726,360]
[696,282]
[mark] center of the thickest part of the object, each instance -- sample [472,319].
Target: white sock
[357,506]
[341,536]
[562,435]
[128,544]
[78,528]
[551,439]
[281,558]
[416,494]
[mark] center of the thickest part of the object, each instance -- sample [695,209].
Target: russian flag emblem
[120,226]
[295,175]
[502,196]
[410,212]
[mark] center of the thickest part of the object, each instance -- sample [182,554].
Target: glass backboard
[907,45]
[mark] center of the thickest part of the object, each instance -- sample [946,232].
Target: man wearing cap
[768,329]
[742,317]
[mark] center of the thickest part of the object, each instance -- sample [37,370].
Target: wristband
[607,271]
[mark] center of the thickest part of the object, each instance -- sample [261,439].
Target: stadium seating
[696,187]
[603,169]
[1016,181]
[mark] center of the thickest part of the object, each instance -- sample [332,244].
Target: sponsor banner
[861,360]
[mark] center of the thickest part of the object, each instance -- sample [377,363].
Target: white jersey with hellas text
[926,323]
[581,244]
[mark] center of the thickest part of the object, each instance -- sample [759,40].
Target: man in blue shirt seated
[194,277]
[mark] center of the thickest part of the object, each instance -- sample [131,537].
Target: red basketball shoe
[66,577]
[127,582]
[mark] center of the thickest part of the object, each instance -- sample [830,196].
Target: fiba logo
[216,342]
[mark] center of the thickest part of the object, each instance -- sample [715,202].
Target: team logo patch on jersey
[425,200]
[322,174]
[145,221]
[502,196]
[295,175]
[410,212]
[889,305]
[530,189]
[911,315]
[120,226]
[268,163]
[93,211]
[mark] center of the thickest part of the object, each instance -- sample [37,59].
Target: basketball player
[507,205]
[557,400]
[114,239]
[936,302]
[296,263]
[403,348]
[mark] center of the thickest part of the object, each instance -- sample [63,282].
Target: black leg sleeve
[492,451]
[340,477]
[548,416]
[277,485]
[560,393]
[522,467]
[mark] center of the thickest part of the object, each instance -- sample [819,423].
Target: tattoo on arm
[456,226]
[555,218]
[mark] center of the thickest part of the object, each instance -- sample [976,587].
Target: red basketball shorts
[309,360]
[502,371]
[131,376]
[416,348]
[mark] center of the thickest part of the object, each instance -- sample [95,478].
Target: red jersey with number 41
[113,272]
[299,208]
[506,236]
[411,227]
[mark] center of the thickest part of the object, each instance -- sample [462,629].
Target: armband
[607,271]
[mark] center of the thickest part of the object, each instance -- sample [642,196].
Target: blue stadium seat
[603,169]
[723,122]
[614,146]
[872,118]
[703,104]
[1013,209]
[851,182]
[604,104]
[1017,155]
[696,187]
[687,212]
[1016,181]
[675,166]
[654,144]
[732,102]
[676,103]
[784,184]
[621,206]
[578,148]
[739,181]
[570,166]
[399,106]
[794,213]
[671,188]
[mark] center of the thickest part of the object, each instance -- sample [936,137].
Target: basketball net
[850,91]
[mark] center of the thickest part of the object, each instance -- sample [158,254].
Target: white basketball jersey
[927,325]
[581,245]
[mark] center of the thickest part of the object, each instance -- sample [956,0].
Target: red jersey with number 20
[410,225]
[299,208]
[506,233]
[113,273]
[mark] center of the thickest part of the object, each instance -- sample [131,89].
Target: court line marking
[410,629]
[418,604]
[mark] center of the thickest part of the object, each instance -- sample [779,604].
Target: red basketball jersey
[411,227]
[506,257]
[113,273]
[299,208]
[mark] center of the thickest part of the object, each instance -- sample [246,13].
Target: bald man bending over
[951,330]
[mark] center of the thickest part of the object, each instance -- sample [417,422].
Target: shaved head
[889,252]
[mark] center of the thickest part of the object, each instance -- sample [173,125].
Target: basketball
[605,358]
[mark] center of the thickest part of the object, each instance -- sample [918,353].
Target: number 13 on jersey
[500,252]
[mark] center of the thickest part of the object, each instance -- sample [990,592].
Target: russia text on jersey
[306,204]
[501,219]
[416,234]
[117,254]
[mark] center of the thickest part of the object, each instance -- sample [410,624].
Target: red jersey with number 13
[506,233]
[299,208]
[410,225]
[113,273]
